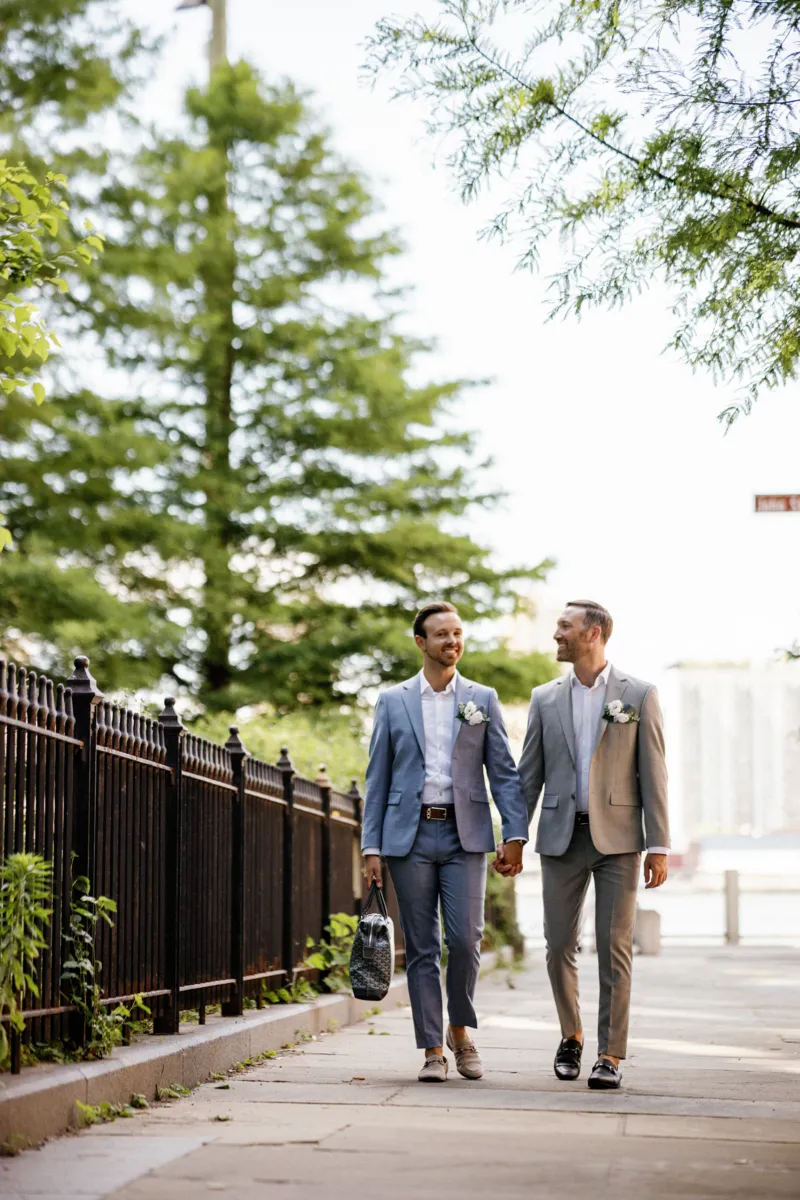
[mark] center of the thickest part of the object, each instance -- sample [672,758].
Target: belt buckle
[441,815]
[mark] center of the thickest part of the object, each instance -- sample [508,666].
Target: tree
[29,210]
[661,139]
[64,60]
[256,489]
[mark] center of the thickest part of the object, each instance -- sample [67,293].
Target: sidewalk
[710,1108]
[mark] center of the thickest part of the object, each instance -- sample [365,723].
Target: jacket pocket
[625,799]
[394,797]
[480,796]
[550,800]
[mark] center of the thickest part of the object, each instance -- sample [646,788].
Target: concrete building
[733,748]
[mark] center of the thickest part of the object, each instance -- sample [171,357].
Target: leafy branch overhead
[659,138]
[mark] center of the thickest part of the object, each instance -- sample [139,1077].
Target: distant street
[710,1108]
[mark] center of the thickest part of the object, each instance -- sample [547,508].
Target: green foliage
[62,62]
[26,893]
[501,927]
[336,738]
[66,60]
[268,486]
[332,957]
[173,1091]
[639,132]
[30,211]
[81,972]
[104,1112]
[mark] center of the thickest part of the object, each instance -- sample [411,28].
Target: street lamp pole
[218,45]
[218,42]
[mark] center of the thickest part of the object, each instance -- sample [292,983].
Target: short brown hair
[429,610]
[595,614]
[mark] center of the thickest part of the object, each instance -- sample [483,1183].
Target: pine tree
[64,60]
[247,489]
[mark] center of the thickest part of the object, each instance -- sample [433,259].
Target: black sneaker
[567,1063]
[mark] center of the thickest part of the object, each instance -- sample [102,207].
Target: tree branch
[754,206]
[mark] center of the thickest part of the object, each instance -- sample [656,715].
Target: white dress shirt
[587,713]
[438,721]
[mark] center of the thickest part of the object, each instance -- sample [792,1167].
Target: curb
[41,1102]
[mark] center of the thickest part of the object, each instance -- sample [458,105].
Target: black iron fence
[221,866]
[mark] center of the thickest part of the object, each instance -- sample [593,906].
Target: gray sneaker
[468,1060]
[434,1070]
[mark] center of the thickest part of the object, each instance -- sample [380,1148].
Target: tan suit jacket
[627,779]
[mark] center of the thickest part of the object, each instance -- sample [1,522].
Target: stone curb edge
[41,1103]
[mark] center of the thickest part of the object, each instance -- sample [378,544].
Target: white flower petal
[623,719]
[476,718]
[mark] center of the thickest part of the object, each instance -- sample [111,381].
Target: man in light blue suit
[427,813]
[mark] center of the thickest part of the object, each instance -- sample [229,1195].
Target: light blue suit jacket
[396,772]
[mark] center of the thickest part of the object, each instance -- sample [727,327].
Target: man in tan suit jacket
[595,746]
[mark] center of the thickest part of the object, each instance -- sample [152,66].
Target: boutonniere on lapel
[470,714]
[617,713]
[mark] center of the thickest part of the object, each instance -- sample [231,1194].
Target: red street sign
[777,504]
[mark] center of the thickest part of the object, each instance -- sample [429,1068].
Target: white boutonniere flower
[620,714]
[470,714]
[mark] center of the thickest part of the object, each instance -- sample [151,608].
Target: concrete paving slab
[720,1129]
[80,1166]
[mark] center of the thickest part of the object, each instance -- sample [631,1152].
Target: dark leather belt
[581,818]
[445,812]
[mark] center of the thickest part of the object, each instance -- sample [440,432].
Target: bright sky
[608,449]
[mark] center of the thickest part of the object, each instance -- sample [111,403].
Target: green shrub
[82,968]
[333,957]
[26,893]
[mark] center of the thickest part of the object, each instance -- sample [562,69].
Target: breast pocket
[550,800]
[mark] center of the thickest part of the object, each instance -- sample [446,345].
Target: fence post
[358,875]
[324,785]
[85,698]
[732,908]
[284,765]
[235,747]
[167,1021]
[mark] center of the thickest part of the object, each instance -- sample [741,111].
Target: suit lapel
[615,690]
[464,690]
[564,706]
[412,699]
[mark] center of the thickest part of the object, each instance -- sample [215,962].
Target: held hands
[509,859]
[373,869]
[655,870]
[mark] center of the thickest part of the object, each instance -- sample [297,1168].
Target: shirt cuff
[370,850]
[516,839]
[658,849]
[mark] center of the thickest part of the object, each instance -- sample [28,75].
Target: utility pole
[218,42]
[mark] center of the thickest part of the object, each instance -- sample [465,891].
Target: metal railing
[222,866]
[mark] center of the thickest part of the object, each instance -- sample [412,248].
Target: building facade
[734,748]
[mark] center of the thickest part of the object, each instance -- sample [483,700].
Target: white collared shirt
[438,721]
[587,714]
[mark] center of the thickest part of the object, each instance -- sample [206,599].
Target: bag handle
[376,893]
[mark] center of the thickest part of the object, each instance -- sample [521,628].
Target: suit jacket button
[573,796]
